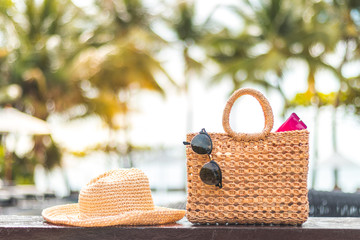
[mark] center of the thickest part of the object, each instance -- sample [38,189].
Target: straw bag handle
[265,105]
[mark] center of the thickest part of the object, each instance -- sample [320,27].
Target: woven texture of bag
[264,175]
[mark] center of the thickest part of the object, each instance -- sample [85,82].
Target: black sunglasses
[210,173]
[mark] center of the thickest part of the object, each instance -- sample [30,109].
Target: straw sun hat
[117,197]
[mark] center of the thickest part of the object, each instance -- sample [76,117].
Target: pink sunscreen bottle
[291,124]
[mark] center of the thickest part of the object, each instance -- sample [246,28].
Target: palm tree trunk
[334,128]
[334,139]
[312,90]
[189,111]
[8,162]
[316,146]
[189,103]
[334,145]
[335,107]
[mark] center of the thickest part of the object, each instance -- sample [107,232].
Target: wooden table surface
[34,227]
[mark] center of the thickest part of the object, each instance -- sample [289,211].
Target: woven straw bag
[264,175]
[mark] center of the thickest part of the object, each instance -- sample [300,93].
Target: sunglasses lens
[201,144]
[210,173]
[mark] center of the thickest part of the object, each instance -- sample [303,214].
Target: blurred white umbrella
[14,121]
[336,163]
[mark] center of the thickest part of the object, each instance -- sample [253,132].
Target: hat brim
[69,215]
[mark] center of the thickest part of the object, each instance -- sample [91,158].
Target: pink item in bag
[291,124]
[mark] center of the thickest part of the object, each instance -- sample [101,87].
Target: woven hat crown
[115,192]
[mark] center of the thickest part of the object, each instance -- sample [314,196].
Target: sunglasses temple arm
[186,143]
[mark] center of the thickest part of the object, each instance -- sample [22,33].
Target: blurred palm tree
[348,14]
[39,40]
[276,34]
[189,35]
[113,74]
[345,15]
[57,57]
